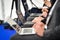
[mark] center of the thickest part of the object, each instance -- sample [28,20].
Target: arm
[46,7]
[39,26]
[44,12]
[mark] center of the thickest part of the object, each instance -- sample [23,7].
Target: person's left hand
[39,28]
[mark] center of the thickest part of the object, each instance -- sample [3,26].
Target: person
[33,6]
[44,12]
[38,20]
[38,26]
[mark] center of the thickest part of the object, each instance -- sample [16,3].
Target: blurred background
[5,34]
[5,10]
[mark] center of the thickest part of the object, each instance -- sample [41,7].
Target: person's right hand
[39,28]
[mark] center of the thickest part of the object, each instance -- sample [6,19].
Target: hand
[48,3]
[44,14]
[44,9]
[37,19]
[39,28]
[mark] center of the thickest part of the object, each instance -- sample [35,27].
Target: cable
[12,8]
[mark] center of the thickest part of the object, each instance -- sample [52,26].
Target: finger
[34,19]
[44,10]
[38,19]
[44,14]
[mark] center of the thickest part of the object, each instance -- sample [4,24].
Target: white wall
[7,4]
[7,10]
[1,18]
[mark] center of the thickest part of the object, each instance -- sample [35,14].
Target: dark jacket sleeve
[53,31]
[52,34]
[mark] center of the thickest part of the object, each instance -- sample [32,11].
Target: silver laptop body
[19,30]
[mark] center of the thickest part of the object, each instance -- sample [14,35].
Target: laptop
[19,30]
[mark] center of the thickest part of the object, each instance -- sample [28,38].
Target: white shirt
[38,3]
[7,7]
